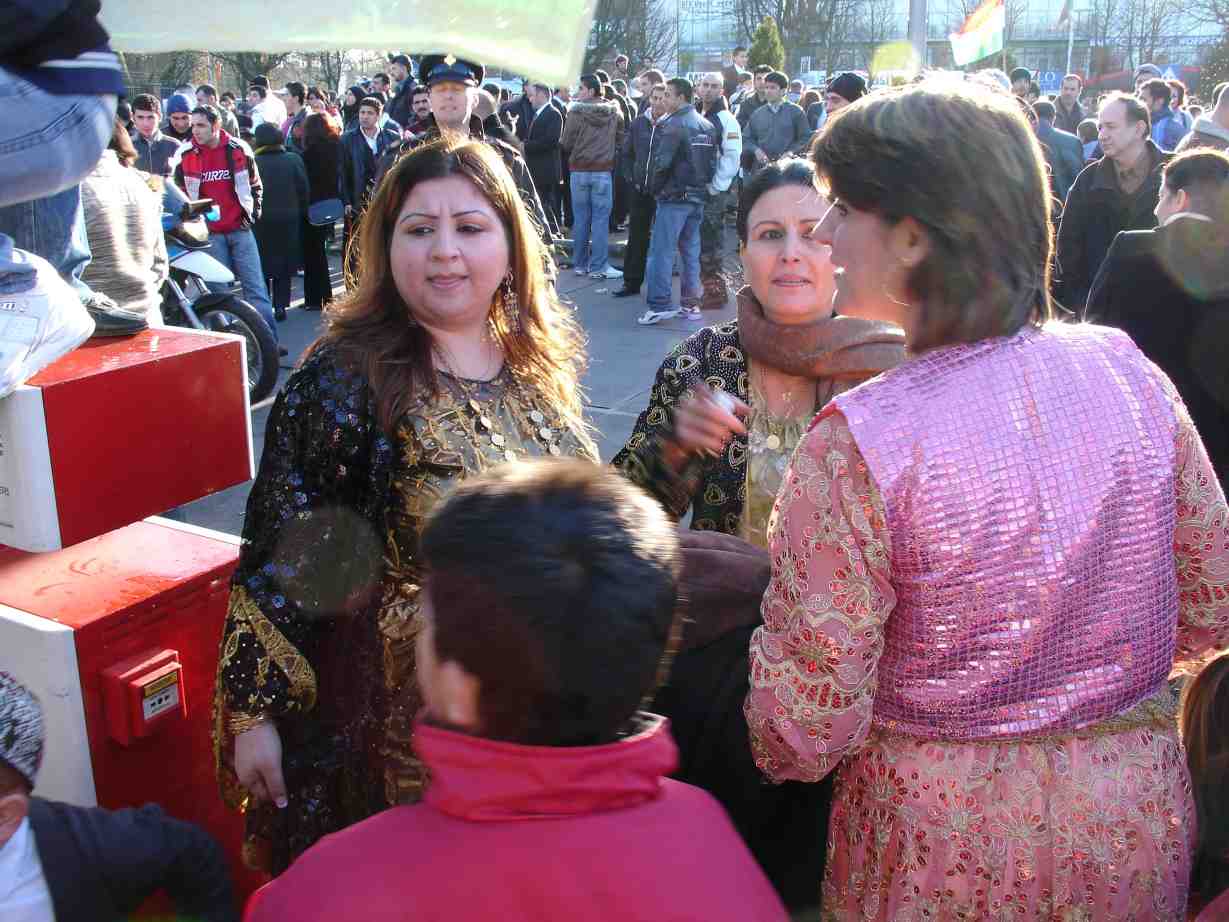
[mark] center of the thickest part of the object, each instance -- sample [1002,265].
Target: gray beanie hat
[21,728]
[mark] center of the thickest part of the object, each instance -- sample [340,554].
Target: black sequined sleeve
[312,540]
[641,460]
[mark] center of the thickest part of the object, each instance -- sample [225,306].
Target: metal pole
[1070,38]
[917,30]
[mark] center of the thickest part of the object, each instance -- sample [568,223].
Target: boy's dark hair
[383,78]
[554,583]
[602,75]
[654,76]
[372,102]
[261,91]
[208,89]
[1045,110]
[591,82]
[739,49]
[228,95]
[1021,73]
[762,70]
[298,91]
[146,102]
[682,86]
[421,90]
[778,78]
[261,80]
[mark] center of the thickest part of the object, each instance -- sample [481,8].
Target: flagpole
[1070,35]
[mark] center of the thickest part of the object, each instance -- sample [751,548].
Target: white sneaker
[580,271]
[650,317]
[691,315]
[610,272]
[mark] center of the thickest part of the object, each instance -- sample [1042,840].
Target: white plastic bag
[40,325]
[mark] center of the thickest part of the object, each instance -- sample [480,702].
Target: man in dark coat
[543,154]
[1117,193]
[1067,111]
[400,108]
[732,73]
[279,232]
[84,864]
[1064,153]
[518,113]
[362,148]
[1169,289]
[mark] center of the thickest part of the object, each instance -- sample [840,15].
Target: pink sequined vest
[1029,486]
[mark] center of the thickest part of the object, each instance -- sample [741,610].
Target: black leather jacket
[683,158]
[637,146]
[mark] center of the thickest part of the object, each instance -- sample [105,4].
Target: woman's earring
[884,287]
[512,304]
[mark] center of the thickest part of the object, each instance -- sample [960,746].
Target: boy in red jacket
[546,615]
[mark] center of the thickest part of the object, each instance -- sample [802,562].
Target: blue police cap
[446,68]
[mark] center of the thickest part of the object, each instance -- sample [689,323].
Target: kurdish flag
[981,35]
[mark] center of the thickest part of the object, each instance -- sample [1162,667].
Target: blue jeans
[592,199]
[48,144]
[237,252]
[676,225]
[53,228]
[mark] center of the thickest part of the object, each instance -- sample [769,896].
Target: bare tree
[1210,11]
[327,67]
[154,71]
[875,24]
[823,25]
[250,64]
[644,30]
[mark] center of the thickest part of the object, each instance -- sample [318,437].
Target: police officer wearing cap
[451,83]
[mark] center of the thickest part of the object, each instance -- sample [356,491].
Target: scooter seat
[191,235]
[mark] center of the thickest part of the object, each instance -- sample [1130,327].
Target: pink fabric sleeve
[813,663]
[1201,552]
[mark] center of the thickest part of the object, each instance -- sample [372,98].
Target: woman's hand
[258,763]
[707,421]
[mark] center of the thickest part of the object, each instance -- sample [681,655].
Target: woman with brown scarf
[762,378]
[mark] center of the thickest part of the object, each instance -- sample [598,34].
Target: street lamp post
[917,30]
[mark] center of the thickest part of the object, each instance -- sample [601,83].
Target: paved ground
[623,359]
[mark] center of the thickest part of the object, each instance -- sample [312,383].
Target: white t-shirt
[24,896]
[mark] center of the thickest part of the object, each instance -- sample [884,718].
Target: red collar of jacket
[479,779]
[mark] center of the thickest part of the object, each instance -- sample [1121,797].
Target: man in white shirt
[265,107]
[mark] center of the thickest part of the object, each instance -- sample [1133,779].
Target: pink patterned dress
[1004,735]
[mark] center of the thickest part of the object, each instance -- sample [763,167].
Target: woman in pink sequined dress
[988,561]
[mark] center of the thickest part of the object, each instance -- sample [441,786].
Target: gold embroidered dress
[323,613]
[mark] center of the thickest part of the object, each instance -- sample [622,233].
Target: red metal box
[120,429]
[118,636]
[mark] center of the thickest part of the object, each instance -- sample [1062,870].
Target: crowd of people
[945,637]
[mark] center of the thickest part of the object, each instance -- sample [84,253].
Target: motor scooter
[187,300]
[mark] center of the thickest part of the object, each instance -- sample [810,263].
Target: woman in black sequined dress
[452,355]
